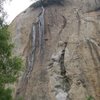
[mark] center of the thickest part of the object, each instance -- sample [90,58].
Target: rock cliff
[59,41]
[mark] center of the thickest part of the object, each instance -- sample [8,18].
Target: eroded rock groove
[62,81]
[41,34]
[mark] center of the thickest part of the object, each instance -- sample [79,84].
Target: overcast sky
[15,7]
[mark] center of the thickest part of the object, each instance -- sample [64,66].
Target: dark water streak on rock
[41,35]
[29,64]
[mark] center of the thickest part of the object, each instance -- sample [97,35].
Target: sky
[15,7]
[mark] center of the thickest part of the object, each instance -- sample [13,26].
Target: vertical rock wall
[60,45]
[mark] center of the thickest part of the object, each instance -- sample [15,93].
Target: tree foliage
[10,65]
[5,94]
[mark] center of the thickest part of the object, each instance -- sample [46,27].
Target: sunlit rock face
[60,45]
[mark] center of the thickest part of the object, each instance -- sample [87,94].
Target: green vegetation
[5,94]
[90,98]
[9,65]
[20,98]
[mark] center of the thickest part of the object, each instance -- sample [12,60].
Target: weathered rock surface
[60,45]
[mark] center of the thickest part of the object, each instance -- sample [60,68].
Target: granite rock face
[60,46]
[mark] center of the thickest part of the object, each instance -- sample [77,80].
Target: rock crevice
[60,82]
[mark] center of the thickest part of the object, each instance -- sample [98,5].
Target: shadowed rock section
[60,82]
[46,3]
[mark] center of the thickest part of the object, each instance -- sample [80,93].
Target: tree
[10,65]
[2,12]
